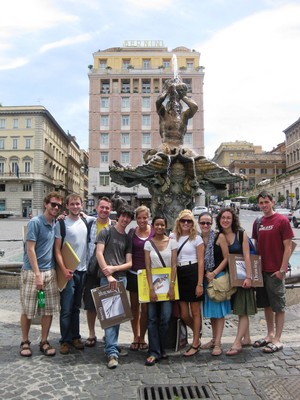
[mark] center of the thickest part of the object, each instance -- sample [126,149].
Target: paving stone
[83,374]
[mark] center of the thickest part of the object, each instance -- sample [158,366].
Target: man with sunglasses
[38,273]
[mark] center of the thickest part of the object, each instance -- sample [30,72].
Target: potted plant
[130,66]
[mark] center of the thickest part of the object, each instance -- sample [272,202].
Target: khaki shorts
[272,294]
[28,293]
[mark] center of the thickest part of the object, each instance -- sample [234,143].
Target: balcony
[140,70]
[10,176]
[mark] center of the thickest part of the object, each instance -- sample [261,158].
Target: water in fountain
[175,67]
[169,165]
[194,168]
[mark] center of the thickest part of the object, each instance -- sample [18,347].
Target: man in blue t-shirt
[38,273]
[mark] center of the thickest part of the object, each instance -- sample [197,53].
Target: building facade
[123,123]
[36,157]
[287,184]
[244,158]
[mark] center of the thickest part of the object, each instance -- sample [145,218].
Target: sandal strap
[44,342]
[25,342]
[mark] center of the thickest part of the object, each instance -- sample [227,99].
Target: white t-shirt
[189,250]
[166,254]
[76,235]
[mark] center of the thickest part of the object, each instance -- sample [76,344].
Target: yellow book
[71,261]
[161,278]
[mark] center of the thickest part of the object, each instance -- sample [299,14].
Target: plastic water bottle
[41,298]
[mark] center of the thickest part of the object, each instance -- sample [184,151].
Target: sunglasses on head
[54,205]
[183,220]
[205,223]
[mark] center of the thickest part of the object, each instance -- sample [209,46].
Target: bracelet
[248,277]
[173,282]
[214,273]
[200,284]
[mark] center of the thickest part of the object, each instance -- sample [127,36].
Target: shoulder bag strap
[158,253]
[180,248]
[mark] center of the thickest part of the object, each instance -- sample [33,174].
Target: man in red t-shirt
[273,235]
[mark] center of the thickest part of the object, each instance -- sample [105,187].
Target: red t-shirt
[273,231]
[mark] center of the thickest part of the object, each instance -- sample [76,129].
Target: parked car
[245,206]
[285,211]
[113,215]
[199,210]
[254,207]
[296,215]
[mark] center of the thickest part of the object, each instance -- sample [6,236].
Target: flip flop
[233,352]
[91,341]
[272,348]
[134,346]
[144,346]
[260,343]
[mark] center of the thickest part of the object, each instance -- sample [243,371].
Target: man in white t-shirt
[70,298]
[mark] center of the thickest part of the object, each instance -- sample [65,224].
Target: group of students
[195,259]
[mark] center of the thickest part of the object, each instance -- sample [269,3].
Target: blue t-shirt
[41,232]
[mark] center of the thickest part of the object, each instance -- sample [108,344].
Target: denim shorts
[272,294]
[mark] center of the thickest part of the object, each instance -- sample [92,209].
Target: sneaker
[64,348]
[112,362]
[78,344]
[122,352]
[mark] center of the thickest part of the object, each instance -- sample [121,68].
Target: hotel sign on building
[143,43]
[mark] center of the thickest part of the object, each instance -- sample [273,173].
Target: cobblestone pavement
[84,375]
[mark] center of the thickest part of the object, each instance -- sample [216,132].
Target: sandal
[25,349]
[48,350]
[209,345]
[134,346]
[195,348]
[151,361]
[217,350]
[260,343]
[91,342]
[144,346]
[233,351]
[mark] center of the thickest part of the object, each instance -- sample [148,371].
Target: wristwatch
[283,273]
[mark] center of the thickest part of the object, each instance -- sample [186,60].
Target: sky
[249,48]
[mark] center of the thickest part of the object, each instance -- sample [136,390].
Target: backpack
[251,245]
[63,229]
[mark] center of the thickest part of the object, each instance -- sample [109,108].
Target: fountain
[172,173]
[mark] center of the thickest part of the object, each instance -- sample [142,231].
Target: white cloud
[8,64]
[70,41]
[19,17]
[22,26]
[251,79]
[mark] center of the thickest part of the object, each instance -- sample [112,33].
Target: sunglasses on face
[187,221]
[54,205]
[205,223]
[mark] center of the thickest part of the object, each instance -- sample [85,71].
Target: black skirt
[187,282]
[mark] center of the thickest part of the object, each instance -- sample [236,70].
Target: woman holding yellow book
[160,251]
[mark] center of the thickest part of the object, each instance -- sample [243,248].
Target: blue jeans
[112,333]
[159,316]
[70,303]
